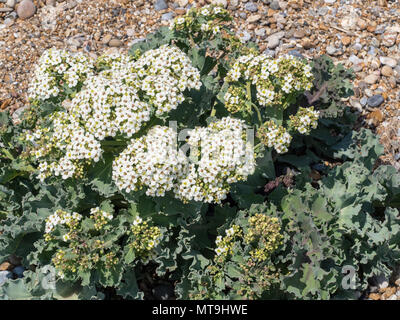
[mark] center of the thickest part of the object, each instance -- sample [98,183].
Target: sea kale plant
[164,165]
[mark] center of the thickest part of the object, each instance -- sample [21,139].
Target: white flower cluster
[274,136]
[61,218]
[274,79]
[117,100]
[304,120]
[107,106]
[224,244]
[97,211]
[68,138]
[225,158]
[57,68]
[164,74]
[152,161]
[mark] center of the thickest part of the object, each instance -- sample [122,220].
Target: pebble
[387,71]
[388,61]
[6,266]
[167,16]
[275,5]
[251,6]
[363,101]
[160,5]
[375,101]
[331,50]
[10,3]
[106,39]
[254,18]
[330,1]
[115,43]
[260,32]
[389,39]
[371,79]
[274,40]
[4,275]
[26,9]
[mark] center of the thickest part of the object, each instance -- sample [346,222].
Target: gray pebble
[363,101]
[250,6]
[375,101]
[167,16]
[323,11]
[160,5]
[331,50]
[275,5]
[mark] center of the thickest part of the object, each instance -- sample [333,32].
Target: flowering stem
[248,91]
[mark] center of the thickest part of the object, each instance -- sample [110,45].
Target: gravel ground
[364,35]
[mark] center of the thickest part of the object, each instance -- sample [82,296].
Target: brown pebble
[6,266]
[115,43]
[374,296]
[387,71]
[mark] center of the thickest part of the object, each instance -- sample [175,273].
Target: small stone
[6,266]
[26,9]
[299,34]
[374,296]
[250,6]
[19,271]
[389,39]
[167,16]
[331,50]
[375,101]
[10,3]
[115,43]
[392,297]
[106,39]
[160,5]
[307,43]
[253,18]
[346,40]
[6,9]
[371,79]
[274,40]
[71,4]
[323,11]
[363,101]
[330,1]
[357,46]
[388,61]
[183,3]
[348,22]
[260,32]
[50,3]
[387,71]
[362,24]
[275,5]
[4,275]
